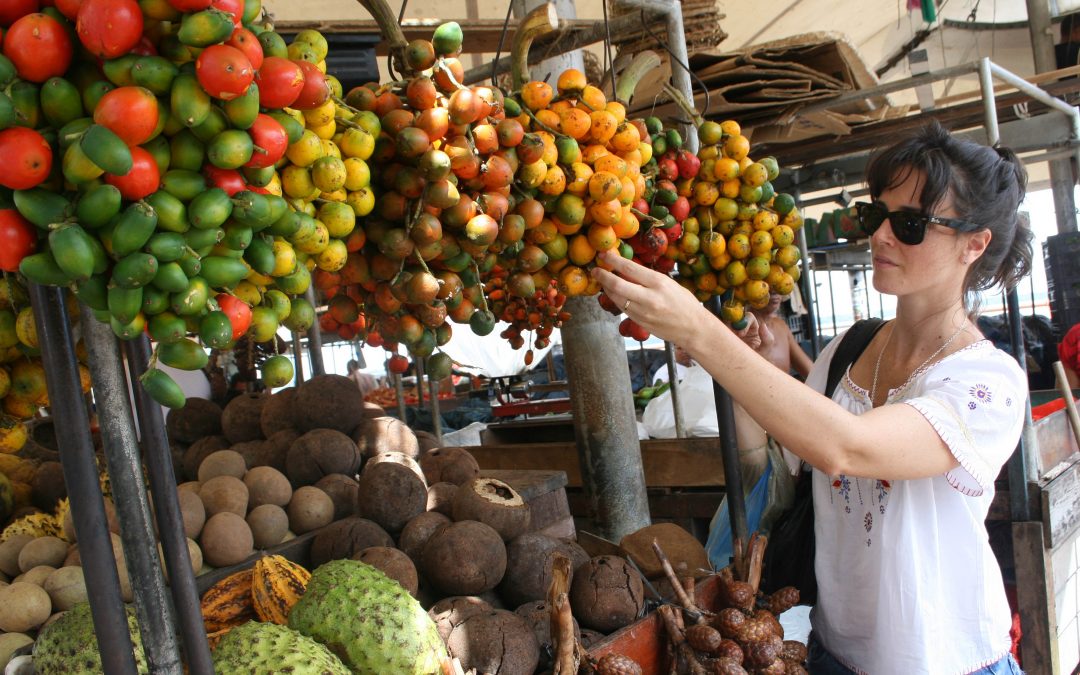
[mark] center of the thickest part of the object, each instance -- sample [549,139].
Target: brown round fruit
[495,503]
[450,465]
[392,491]
[393,563]
[418,531]
[607,593]
[310,509]
[240,421]
[224,494]
[342,491]
[267,485]
[328,402]
[198,418]
[269,524]
[346,537]
[464,558]
[320,452]
[226,540]
[222,463]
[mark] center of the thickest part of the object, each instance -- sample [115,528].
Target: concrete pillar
[604,421]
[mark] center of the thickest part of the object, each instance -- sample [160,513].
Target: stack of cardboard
[764,87]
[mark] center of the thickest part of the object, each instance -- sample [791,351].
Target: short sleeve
[975,402]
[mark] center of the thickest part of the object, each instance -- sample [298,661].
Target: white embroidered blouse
[907,582]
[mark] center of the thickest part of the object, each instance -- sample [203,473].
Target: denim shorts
[821,662]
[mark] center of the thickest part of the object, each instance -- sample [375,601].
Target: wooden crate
[645,641]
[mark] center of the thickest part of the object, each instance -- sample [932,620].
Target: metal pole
[605,426]
[673,380]
[298,357]
[81,477]
[399,391]
[419,383]
[1021,465]
[676,42]
[436,419]
[809,295]
[152,605]
[729,454]
[167,511]
[315,340]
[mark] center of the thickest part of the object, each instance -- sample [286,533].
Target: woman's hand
[654,301]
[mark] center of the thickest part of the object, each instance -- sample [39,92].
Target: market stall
[187,189]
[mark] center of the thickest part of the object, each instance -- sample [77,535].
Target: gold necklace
[877,364]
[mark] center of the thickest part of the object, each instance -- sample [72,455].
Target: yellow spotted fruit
[277,585]
[229,602]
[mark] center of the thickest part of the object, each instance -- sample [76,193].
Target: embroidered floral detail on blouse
[981,394]
[868,521]
[1008,402]
[947,379]
[842,485]
[972,405]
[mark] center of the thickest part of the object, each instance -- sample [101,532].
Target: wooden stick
[740,558]
[690,584]
[1066,395]
[682,649]
[680,592]
[568,652]
[390,29]
[756,556]
[541,21]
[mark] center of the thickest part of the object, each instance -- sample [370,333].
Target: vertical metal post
[80,475]
[990,119]
[167,511]
[673,379]
[399,391]
[605,427]
[298,357]
[152,606]
[419,363]
[680,77]
[436,416]
[729,454]
[315,340]
[806,282]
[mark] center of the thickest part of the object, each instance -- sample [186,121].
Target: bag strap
[851,347]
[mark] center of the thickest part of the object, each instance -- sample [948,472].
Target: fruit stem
[348,123]
[483,296]
[542,20]
[643,64]
[686,106]
[341,102]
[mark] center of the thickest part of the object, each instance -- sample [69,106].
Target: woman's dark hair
[986,184]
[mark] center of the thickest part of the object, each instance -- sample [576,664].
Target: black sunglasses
[908,226]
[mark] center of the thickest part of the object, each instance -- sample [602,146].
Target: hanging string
[684,66]
[502,39]
[609,62]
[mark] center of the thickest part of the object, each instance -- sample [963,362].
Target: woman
[906,452]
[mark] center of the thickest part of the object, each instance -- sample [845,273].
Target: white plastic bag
[696,402]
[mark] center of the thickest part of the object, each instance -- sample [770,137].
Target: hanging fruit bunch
[739,240]
[146,148]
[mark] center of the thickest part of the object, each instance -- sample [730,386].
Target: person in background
[1069,355]
[682,362]
[778,344]
[367,383]
[906,451]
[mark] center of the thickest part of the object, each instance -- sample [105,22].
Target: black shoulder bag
[789,556]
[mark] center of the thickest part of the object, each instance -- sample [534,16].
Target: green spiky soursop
[368,620]
[68,645]
[257,648]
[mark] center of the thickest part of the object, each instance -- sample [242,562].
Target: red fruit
[664,265]
[315,90]
[109,28]
[680,209]
[688,164]
[143,179]
[636,332]
[233,7]
[280,82]
[13,10]
[624,327]
[667,169]
[189,5]
[130,112]
[653,242]
[39,47]
[270,140]
[224,72]
[672,233]
[27,158]
[144,48]
[247,42]
[69,8]
[229,180]
[18,239]
[238,312]
[397,363]
[641,206]
[328,324]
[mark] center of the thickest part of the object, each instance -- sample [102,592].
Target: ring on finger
[626,305]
